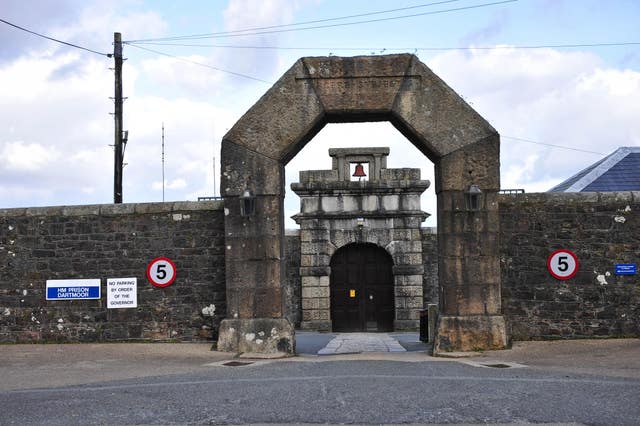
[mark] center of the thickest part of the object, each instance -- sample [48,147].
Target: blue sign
[73,289]
[625,269]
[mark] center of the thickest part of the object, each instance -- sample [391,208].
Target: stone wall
[293,285]
[602,229]
[112,241]
[430,262]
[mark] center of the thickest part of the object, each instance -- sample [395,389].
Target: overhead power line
[201,64]
[273,31]
[359,15]
[551,145]
[56,40]
[402,49]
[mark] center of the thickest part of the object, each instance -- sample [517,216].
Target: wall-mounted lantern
[472,197]
[247,203]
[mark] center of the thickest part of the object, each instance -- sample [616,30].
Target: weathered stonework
[396,88]
[119,240]
[269,337]
[293,287]
[430,263]
[112,241]
[602,229]
[481,332]
[383,210]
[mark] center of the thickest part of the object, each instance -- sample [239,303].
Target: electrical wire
[551,145]
[317,21]
[402,49]
[134,43]
[237,74]
[109,55]
[224,35]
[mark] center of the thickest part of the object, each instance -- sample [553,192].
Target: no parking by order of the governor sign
[563,264]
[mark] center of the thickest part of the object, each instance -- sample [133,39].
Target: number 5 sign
[161,272]
[562,264]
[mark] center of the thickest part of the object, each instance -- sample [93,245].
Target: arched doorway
[361,289]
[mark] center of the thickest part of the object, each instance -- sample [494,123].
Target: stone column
[408,270]
[468,262]
[254,257]
[315,271]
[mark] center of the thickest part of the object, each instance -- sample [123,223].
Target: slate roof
[619,171]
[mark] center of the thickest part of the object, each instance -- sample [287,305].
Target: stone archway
[396,88]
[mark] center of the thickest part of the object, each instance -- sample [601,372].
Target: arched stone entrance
[362,289]
[397,88]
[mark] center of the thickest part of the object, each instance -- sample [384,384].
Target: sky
[557,109]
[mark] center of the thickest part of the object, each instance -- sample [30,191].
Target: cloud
[56,130]
[174,184]
[247,14]
[177,76]
[43,17]
[493,28]
[55,111]
[21,157]
[557,97]
[74,21]
[56,127]
[55,115]
[193,131]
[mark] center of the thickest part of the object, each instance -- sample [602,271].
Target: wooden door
[362,296]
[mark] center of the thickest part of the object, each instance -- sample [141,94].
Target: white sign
[562,264]
[122,293]
[73,289]
[161,272]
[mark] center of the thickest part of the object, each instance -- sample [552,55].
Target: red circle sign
[563,264]
[161,272]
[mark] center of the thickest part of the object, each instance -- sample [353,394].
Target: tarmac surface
[570,382]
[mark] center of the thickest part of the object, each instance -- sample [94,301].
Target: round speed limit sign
[161,272]
[562,264]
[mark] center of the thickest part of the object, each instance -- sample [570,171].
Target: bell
[359,172]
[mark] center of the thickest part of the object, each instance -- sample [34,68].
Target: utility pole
[118,143]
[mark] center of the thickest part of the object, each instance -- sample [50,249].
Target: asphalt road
[187,384]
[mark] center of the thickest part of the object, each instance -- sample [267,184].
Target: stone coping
[335,152]
[114,209]
[578,197]
[355,214]
[365,187]
[291,232]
